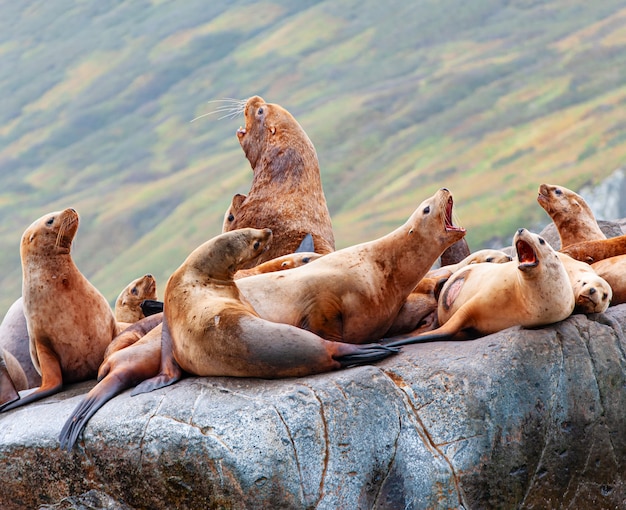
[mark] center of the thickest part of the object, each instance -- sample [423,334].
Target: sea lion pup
[594,251]
[70,323]
[229,215]
[592,294]
[210,329]
[353,295]
[570,213]
[480,299]
[613,270]
[128,303]
[120,370]
[286,193]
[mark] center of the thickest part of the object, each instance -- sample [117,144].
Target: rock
[518,419]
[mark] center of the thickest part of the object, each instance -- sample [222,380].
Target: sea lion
[120,370]
[613,270]
[210,329]
[592,294]
[289,261]
[455,253]
[229,215]
[570,213]
[70,323]
[14,339]
[353,295]
[8,391]
[133,333]
[594,251]
[286,193]
[419,312]
[479,299]
[128,303]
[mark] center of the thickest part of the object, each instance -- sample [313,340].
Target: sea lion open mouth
[526,255]
[448,217]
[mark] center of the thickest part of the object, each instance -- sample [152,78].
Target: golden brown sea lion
[592,293]
[480,299]
[289,261]
[570,213]
[286,193]
[70,323]
[353,295]
[210,329]
[128,303]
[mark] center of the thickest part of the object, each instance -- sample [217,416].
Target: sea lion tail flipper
[306,245]
[151,307]
[99,395]
[366,354]
[8,392]
[170,369]
[418,339]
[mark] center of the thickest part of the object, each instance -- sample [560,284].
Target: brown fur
[570,213]
[591,292]
[354,294]
[70,323]
[594,251]
[229,215]
[286,193]
[128,303]
[290,261]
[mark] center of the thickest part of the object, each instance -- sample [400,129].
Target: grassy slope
[487,98]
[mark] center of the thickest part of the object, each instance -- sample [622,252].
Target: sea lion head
[52,234]
[560,201]
[273,136]
[533,252]
[220,257]
[593,294]
[128,303]
[231,212]
[434,218]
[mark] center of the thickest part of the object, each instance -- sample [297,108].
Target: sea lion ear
[272,130]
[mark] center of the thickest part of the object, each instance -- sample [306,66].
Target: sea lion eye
[489,259]
[541,241]
[231,217]
[260,111]
[256,245]
[134,291]
[50,221]
[558,192]
[426,209]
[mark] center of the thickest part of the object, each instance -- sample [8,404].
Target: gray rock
[519,419]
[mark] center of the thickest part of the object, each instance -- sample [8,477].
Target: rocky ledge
[519,419]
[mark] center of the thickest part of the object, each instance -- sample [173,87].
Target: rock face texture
[519,419]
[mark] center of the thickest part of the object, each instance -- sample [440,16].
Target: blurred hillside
[488,98]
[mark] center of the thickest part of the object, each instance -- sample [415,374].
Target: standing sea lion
[210,329]
[480,299]
[354,294]
[286,193]
[70,323]
[570,213]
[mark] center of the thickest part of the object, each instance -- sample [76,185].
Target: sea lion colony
[332,306]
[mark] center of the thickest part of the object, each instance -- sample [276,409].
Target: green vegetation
[488,98]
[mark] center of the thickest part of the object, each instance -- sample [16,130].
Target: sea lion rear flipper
[151,307]
[366,354]
[307,244]
[170,369]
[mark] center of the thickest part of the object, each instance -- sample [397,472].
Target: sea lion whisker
[231,112]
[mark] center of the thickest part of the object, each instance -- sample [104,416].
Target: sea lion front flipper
[170,369]
[8,393]
[307,244]
[151,307]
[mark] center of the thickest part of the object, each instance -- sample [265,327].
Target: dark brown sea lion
[286,193]
[480,299]
[70,323]
[570,213]
[353,295]
[210,329]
